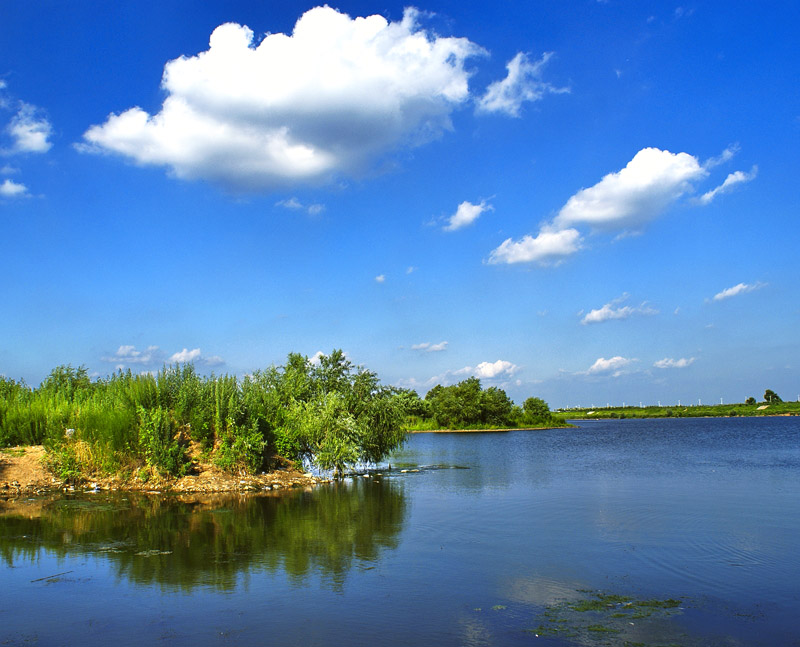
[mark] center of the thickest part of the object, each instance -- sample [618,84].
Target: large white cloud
[327,99]
[624,201]
[635,195]
[549,246]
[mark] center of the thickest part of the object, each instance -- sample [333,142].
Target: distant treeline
[329,411]
[468,406]
[772,405]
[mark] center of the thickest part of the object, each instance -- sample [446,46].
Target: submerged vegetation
[328,411]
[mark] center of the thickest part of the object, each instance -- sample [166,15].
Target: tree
[536,409]
[750,400]
[771,396]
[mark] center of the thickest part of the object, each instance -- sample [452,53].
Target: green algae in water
[612,619]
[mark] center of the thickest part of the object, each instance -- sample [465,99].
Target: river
[618,532]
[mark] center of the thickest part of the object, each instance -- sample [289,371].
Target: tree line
[467,405]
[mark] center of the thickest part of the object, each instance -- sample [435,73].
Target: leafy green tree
[750,400]
[771,396]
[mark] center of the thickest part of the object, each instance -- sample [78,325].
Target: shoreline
[483,431]
[23,473]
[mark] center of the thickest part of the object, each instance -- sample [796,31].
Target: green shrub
[241,449]
[158,443]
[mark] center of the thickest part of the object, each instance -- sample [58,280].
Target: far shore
[483,431]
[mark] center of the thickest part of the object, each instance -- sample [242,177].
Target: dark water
[498,538]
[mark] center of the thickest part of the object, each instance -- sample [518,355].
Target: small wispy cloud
[29,130]
[523,84]
[669,362]
[381,278]
[613,366]
[613,310]
[129,354]
[428,347]
[733,179]
[466,214]
[740,288]
[11,189]
[293,204]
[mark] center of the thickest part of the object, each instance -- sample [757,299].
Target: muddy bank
[22,471]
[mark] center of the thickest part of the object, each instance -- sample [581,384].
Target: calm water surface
[496,540]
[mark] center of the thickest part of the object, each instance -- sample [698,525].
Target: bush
[241,449]
[158,443]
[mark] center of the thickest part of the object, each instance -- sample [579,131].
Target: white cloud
[637,194]
[466,214]
[613,310]
[291,203]
[29,130]
[153,355]
[295,205]
[668,362]
[549,246]
[184,356]
[381,278]
[523,83]
[127,354]
[612,366]
[328,99]
[726,155]
[428,347]
[7,169]
[624,201]
[740,288]
[11,189]
[737,177]
[491,370]
[411,269]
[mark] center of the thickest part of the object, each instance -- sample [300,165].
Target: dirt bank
[22,472]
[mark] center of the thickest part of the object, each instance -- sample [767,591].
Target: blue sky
[586,201]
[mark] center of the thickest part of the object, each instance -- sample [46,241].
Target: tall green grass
[330,412]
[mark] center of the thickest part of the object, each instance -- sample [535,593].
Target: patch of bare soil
[22,471]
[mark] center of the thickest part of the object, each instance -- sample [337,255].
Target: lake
[618,532]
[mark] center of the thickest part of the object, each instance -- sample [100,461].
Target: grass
[692,411]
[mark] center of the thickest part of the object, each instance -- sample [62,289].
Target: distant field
[695,411]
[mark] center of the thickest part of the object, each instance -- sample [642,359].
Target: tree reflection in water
[183,542]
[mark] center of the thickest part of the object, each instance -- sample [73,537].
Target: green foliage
[468,406]
[328,411]
[63,462]
[157,441]
[241,449]
[770,396]
[751,400]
